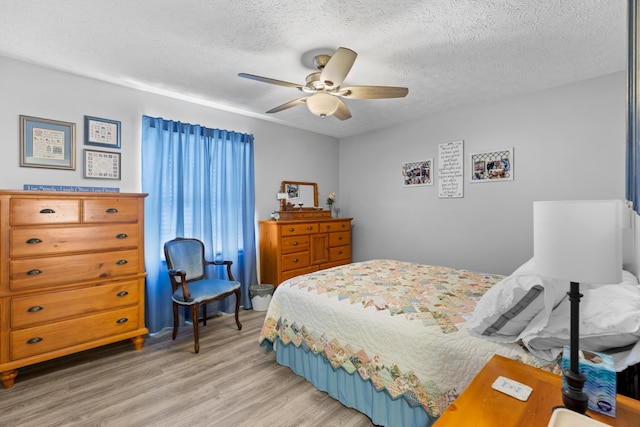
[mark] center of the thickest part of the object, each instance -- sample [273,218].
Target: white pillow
[506,309]
[609,318]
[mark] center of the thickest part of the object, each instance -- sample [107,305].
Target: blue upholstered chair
[191,287]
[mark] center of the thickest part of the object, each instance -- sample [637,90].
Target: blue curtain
[200,183]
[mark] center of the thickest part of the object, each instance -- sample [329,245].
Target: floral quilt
[397,324]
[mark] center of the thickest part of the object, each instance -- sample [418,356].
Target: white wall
[569,143]
[281,153]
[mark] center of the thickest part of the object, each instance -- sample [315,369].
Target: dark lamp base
[572,395]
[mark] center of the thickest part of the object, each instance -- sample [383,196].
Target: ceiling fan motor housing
[319,61]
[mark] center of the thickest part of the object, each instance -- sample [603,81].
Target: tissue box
[601,379]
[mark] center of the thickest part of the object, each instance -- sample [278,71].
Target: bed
[376,335]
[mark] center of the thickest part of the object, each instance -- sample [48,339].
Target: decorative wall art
[47,143]
[70,188]
[101,164]
[492,166]
[417,173]
[451,170]
[102,132]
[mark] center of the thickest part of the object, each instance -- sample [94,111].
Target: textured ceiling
[449,53]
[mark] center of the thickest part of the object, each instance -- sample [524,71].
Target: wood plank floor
[231,382]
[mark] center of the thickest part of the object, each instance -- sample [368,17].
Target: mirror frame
[283,189]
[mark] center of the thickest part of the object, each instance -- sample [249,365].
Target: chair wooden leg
[175,320]
[238,295]
[195,309]
[204,314]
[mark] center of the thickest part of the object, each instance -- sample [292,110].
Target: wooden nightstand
[480,405]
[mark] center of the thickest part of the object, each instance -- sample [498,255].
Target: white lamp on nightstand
[578,241]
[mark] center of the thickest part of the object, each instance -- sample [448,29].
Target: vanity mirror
[301,201]
[299,194]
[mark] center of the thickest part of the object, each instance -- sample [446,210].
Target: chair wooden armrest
[183,282]
[227,263]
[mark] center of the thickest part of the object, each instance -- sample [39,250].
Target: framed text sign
[450,170]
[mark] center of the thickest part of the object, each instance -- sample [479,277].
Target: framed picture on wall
[101,132]
[101,164]
[492,166]
[417,173]
[47,143]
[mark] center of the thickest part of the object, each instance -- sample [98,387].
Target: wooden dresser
[290,248]
[71,274]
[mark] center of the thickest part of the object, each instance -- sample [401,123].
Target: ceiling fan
[323,88]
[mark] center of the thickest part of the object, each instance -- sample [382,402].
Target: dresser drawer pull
[291,229]
[296,243]
[340,238]
[310,228]
[35,309]
[47,211]
[122,294]
[34,340]
[344,225]
[339,252]
[122,320]
[33,241]
[328,227]
[122,262]
[121,236]
[34,272]
[111,210]
[295,260]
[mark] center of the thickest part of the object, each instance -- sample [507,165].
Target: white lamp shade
[578,241]
[322,104]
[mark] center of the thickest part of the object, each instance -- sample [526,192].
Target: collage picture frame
[492,166]
[417,173]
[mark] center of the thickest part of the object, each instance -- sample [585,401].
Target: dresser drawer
[340,253]
[55,336]
[46,272]
[336,226]
[30,211]
[37,309]
[295,260]
[295,244]
[340,239]
[34,241]
[110,210]
[296,229]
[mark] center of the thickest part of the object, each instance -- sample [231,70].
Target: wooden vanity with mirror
[304,239]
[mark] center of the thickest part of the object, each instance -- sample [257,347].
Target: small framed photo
[47,143]
[492,166]
[417,173]
[101,132]
[101,164]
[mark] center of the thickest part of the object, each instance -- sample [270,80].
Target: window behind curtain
[200,183]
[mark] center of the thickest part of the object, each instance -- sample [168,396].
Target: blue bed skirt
[351,390]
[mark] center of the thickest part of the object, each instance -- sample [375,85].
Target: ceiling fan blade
[373,92]
[268,80]
[338,67]
[342,112]
[289,104]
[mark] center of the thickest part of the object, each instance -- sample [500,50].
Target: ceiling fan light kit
[322,104]
[324,87]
